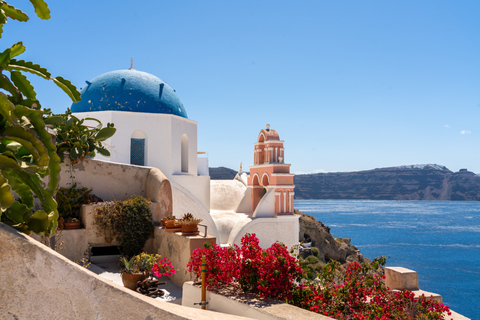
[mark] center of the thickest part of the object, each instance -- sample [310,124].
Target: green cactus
[29,164]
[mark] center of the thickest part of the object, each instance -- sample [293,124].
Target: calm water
[440,240]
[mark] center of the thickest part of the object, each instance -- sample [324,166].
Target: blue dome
[129,90]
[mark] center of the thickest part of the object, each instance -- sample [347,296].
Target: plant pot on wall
[130,279]
[189,229]
[171,224]
[72,225]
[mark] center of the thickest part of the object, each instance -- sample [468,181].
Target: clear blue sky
[349,85]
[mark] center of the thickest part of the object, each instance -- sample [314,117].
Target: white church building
[153,130]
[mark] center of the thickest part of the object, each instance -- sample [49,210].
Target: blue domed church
[152,130]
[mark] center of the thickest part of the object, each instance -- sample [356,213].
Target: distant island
[410,182]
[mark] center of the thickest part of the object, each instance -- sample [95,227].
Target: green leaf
[21,189]
[28,140]
[6,108]
[68,88]
[103,152]
[23,84]
[5,58]
[6,196]
[73,154]
[17,49]
[105,133]
[27,66]
[54,120]
[13,13]
[38,222]
[7,85]
[93,119]
[17,211]
[8,163]
[41,9]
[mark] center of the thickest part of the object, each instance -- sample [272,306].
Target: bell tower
[271,172]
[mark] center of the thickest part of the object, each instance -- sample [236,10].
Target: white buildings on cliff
[153,130]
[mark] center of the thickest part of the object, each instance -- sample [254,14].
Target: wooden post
[204,289]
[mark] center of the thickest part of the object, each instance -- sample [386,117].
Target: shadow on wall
[73,291]
[115,181]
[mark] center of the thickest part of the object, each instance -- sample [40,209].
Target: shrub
[270,273]
[312,259]
[129,222]
[137,226]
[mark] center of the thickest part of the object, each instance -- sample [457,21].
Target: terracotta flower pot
[189,229]
[72,225]
[130,279]
[170,224]
[163,223]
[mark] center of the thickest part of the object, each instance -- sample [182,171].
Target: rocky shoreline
[329,248]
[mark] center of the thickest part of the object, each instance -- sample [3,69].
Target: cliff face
[429,182]
[330,249]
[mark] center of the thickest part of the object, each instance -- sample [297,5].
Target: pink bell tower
[270,171]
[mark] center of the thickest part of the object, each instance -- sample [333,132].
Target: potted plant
[189,224]
[163,268]
[170,222]
[131,273]
[70,201]
[146,261]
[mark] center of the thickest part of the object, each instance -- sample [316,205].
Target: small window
[137,151]
[184,153]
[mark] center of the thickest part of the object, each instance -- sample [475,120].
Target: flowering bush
[270,273]
[361,294]
[357,294]
[162,268]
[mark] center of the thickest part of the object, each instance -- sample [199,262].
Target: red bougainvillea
[357,294]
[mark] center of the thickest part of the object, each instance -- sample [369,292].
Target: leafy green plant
[27,154]
[188,218]
[129,265]
[137,226]
[70,201]
[170,217]
[129,222]
[146,261]
[109,219]
[78,140]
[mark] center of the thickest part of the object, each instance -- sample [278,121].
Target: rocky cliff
[330,248]
[424,182]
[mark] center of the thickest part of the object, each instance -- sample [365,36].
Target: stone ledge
[178,249]
[243,304]
[398,278]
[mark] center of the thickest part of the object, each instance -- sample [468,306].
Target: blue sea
[440,240]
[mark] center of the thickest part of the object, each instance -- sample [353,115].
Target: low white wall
[284,229]
[245,305]
[38,283]
[178,249]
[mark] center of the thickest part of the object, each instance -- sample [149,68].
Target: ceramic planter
[189,229]
[171,224]
[72,225]
[130,279]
